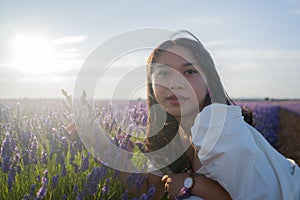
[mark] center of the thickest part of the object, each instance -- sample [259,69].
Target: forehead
[176,55]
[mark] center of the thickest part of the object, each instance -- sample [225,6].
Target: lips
[176,99]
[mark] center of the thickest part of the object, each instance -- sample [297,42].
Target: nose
[177,81]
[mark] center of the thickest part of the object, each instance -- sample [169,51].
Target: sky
[44,44]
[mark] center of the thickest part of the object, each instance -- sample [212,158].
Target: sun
[32,54]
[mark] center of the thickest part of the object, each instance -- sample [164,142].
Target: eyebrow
[187,64]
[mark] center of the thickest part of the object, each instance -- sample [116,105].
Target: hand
[173,183]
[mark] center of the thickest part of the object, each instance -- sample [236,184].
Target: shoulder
[221,109]
[216,114]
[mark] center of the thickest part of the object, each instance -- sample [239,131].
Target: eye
[190,71]
[162,73]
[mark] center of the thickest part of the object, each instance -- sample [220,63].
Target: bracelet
[185,191]
[190,171]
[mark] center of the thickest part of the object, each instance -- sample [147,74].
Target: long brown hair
[157,139]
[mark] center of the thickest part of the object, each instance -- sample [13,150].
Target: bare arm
[203,187]
[209,189]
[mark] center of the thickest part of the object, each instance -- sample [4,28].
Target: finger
[164,178]
[167,187]
[169,180]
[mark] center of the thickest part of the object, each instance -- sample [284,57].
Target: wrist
[188,184]
[184,193]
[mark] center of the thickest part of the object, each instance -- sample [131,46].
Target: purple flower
[25,156]
[125,143]
[106,187]
[137,179]
[42,192]
[151,192]
[6,163]
[143,197]
[72,152]
[5,147]
[80,197]
[38,178]
[93,179]
[33,150]
[31,195]
[64,145]
[149,195]
[54,181]
[76,167]
[32,190]
[12,172]
[75,189]
[63,170]
[6,153]
[44,157]
[10,181]
[64,197]
[85,163]
[125,195]
[141,146]
[60,158]
[18,169]
[54,146]
[45,178]
[266,119]
[78,146]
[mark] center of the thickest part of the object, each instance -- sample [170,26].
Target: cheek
[200,89]
[158,90]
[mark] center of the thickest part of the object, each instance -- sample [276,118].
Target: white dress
[239,158]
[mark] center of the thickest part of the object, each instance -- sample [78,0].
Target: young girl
[183,81]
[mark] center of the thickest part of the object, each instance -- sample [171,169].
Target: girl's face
[177,83]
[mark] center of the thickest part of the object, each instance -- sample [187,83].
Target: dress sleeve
[229,154]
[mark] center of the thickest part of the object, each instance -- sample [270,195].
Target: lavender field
[42,156]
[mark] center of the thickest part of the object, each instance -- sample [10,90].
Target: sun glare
[32,54]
